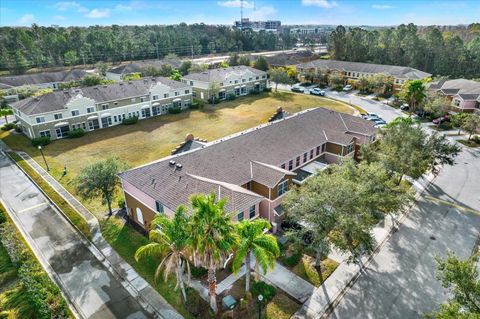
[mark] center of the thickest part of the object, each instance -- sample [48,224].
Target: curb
[77,312]
[327,310]
[92,247]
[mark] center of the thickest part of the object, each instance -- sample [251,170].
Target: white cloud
[27,18]
[263,13]
[58,18]
[382,6]
[67,5]
[326,4]
[236,4]
[98,13]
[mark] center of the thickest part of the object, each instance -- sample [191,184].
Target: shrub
[8,126]
[3,216]
[130,120]
[445,125]
[198,272]
[293,260]
[200,103]
[231,97]
[121,203]
[40,141]
[175,110]
[76,133]
[267,89]
[264,289]
[18,129]
[476,138]
[193,106]
[215,101]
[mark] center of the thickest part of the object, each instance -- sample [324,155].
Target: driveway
[93,290]
[400,281]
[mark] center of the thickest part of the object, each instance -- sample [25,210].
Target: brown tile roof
[393,70]
[229,159]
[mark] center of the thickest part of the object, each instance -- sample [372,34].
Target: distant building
[357,70]
[269,25]
[118,72]
[237,80]
[90,108]
[464,94]
[41,80]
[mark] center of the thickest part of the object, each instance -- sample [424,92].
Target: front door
[62,131]
[106,121]
[93,125]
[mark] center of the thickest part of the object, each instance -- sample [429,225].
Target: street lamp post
[260,299]
[41,151]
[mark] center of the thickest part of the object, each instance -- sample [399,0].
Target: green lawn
[154,138]
[126,240]
[280,307]
[306,270]
[470,143]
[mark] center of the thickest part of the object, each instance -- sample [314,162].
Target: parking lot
[383,110]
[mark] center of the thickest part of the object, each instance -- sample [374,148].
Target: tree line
[39,46]
[449,53]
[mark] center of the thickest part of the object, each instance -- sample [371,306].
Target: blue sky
[140,12]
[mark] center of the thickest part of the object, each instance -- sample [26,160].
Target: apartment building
[357,70]
[252,169]
[237,80]
[91,108]
[464,94]
[118,72]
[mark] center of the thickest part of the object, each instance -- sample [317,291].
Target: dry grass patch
[154,138]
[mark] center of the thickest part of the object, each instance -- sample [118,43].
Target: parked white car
[347,87]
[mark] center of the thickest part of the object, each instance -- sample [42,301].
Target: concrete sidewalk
[146,295]
[332,289]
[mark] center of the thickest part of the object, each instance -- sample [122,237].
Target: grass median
[64,206]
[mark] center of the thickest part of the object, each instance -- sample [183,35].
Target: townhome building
[43,80]
[91,108]
[118,72]
[252,169]
[236,80]
[464,94]
[357,70]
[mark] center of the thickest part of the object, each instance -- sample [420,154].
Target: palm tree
[169,238]
[213,236]
[253,239]
[414,92]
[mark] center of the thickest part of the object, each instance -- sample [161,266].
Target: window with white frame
[104,106]
[155,97]
[350,148]
[251,212]
[40,119]
[90,109]
[58,116]
[159,207]
[75,113]
[282,188]
[44,133]
[240,217]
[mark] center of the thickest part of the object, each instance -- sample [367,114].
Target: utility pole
[192,51]
[156,46]
[83,58]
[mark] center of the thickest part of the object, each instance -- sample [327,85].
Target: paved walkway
[280,277]
[332,289]
[146,295]
[400,280]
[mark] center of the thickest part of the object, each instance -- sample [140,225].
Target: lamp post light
[41,151]
[260,299]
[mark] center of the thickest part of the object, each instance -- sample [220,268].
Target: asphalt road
[93,290]
[400,281]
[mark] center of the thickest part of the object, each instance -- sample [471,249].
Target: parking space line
[460,207]
[32,207]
